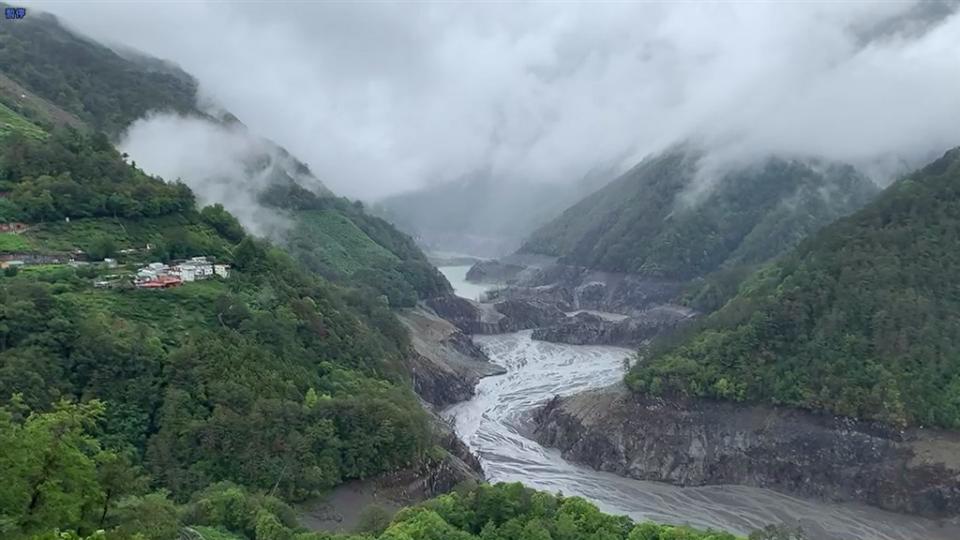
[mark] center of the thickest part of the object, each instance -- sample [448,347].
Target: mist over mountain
[223,162]
[552,92]
[654,221]
[480,214]
[860,320]
[721,272]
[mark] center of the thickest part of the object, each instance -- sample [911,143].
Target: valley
[497,425]
[537,271]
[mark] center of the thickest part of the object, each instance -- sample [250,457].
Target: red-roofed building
[160,282]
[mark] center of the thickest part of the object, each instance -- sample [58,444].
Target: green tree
[148,517]
[102,247]
[49,467]
[224,222]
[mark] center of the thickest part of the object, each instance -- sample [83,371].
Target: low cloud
[380,98]
[223,164]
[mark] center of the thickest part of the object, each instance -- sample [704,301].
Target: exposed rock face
[467,315]
[572,287]
[591,329]
[706,442]
[525,314]
[493,271]
[445,364]
[506,316]
[459,464]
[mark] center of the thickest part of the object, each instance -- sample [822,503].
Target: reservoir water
[490,424]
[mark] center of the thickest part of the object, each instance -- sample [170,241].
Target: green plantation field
[11,122]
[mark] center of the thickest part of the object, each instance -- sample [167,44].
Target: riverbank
[496,425]
[701,442]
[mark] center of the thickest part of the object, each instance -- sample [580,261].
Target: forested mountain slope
[274,378]
[119,404]
[50,77]
[645,223]
[87,79]
[862,319]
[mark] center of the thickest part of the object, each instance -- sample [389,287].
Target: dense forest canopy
[91,81]
[862,319]
[71,175]
[118,405]
[651,222]
[120,408]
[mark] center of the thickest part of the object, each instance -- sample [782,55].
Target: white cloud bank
[379,98]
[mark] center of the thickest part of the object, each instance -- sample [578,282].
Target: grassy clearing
[14,243]
[128,234]
[11,122]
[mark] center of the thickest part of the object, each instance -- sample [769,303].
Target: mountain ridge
[859,320]
[641,224]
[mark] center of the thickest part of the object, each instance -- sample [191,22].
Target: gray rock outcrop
[591,329]
[504,316]
[445,364]
[699,442]
[573,288]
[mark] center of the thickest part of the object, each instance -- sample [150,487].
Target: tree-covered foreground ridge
[862,319]
[274,378]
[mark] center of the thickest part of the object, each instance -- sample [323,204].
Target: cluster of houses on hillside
[161,276]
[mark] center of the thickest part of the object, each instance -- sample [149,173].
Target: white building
[197,268]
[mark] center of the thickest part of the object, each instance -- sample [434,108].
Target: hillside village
[15,254]
[158,275]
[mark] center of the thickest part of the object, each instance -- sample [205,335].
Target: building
[160,282]
[193,269]
[197,268]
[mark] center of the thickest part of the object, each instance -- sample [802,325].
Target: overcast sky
[378,98]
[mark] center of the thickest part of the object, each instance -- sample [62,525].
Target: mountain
[119,405]
[861,319]
[86,79]
[202,410]
[479,214]
[662,219]
[53,77]
[178,388]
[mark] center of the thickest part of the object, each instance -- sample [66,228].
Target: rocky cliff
[704,442]
[494,271]
[572,287]
[508,315]
[592,329]
[445,364]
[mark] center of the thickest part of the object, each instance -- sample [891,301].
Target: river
[490,424]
